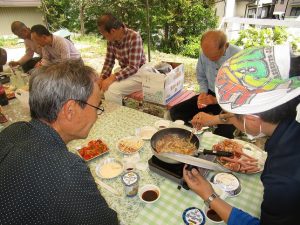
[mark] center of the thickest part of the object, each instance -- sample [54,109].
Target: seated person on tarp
[258,87]
[41,181]
[3,58]
[126,46]
[27,61]
[215,51]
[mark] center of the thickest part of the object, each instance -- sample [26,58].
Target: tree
[176,25]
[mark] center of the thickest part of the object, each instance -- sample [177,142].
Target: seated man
[126,46]
[3,58]
[215,51]
[54,48]
[27,61]
[41,182]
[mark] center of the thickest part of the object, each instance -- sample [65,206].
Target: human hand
[203,119]
[13,63]
[107,82]
[205,100]
[197,183]
[38,64]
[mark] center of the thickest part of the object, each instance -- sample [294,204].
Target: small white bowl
[150,192]
[109,168]
[162,124]
[205,210]
[145,132]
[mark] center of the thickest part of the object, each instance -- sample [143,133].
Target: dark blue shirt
[41,182]
[281,180]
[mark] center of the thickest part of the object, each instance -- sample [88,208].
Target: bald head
[214,44]
[20,29]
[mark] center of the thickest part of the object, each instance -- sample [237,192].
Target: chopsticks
[107,187]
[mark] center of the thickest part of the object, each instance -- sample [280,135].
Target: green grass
[96,47]
[8,42]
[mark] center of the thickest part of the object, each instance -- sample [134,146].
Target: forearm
[25,58]
[222,208]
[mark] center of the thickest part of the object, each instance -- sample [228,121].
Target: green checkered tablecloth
[118,122]
[172,203]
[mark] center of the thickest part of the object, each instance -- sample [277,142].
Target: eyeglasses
[100,109]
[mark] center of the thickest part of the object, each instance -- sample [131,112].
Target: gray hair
[50,87]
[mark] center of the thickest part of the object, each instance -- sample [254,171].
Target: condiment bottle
[130,180]
[3,97]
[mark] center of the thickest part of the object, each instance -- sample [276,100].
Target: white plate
[130,145]
[145,133]
[252,151]
[109,168]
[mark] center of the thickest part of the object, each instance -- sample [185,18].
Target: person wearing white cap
[260,87]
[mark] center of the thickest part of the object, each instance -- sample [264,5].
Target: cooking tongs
[214,152]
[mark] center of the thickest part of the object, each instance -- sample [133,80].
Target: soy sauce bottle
[3,97]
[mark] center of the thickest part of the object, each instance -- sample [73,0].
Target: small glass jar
[130,180]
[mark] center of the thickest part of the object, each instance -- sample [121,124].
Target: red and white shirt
[129,52]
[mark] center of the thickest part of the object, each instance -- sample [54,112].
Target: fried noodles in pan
[175,143]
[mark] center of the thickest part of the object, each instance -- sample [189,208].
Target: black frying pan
[180,132]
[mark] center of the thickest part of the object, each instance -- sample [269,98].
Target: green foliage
[175,25]
[8,42]
[254,37]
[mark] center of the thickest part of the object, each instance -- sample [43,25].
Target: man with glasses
[28,61]
[41,182]
[126,46]
[215,51]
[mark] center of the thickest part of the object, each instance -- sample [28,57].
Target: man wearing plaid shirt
[126,46]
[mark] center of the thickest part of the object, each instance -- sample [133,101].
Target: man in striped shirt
[54,48]
[126,46]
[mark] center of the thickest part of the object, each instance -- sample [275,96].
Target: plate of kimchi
[94,149]
[247,158]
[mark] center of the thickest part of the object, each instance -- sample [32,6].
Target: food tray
[93,150]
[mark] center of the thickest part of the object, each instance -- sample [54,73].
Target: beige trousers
[119,89]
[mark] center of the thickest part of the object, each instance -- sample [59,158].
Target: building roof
[20,3]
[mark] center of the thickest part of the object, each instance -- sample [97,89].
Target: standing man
[41,182]
[126,46]
[27,61]
[54,48]
[215,51]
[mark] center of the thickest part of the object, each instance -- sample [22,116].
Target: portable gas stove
[174,171]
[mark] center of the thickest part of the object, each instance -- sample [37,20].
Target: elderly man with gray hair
[41,182]
[27,61]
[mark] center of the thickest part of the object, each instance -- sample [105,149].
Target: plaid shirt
[129,52]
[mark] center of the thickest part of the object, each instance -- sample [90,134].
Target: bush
[8,42]
[255,37]
[192,48]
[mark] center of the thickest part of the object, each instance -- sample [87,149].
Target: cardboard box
[161,88]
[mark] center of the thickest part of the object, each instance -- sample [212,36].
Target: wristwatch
[210,199]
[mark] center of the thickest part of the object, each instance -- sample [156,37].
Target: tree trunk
[81,15]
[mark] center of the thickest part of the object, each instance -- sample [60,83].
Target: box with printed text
[160,88]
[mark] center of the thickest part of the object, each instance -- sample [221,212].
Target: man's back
[41,182]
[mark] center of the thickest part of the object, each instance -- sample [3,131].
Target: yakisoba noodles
[130,145]
[175,143]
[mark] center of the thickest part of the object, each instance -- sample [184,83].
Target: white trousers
[118,89]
